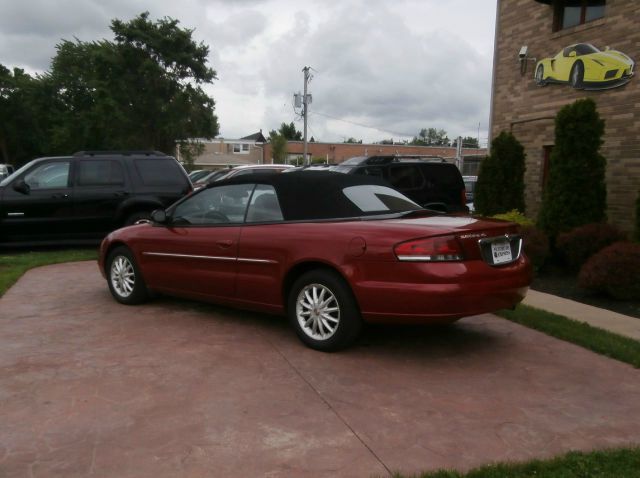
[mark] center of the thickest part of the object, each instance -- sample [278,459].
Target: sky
[381,69]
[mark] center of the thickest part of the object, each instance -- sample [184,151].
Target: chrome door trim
[15,214]
[211,258]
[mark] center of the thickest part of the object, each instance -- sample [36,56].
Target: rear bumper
[441,292]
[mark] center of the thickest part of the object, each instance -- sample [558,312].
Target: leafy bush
[515,216]
[614,271]
[575,193]
[535,245]
[577,245]
[500,185]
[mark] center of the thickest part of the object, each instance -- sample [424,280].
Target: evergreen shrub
[500,186]
[575,193]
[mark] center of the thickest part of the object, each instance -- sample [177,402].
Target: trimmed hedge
[614,271]
[577,245]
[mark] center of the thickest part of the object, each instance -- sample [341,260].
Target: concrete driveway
[89,387]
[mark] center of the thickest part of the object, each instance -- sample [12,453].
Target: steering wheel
[216,216]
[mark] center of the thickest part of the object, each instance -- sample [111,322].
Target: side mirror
[159,216]
[21,186]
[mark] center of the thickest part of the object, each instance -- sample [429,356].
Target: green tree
[278,147]
[467,142]
[25,106]
[431,137]
[189,151]
[500,186]
[290,132]
[352,140]
[141,91]
[575,193]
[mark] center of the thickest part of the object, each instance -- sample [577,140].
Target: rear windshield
[371,199]
[160,172]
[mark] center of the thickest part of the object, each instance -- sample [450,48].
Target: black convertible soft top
[308,195]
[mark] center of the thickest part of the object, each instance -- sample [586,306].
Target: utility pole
[305,102]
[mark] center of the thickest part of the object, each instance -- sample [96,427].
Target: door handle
[225,244]
[121,194]
[59,196]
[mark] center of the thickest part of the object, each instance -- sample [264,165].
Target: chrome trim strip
[189,256]
[15,214]
[213,258]
[257,261]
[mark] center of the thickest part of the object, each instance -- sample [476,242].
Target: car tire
[137,216]
[124,277]
[540,76]
[323,311]
[576,77]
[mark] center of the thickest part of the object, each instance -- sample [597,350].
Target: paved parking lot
[89,387]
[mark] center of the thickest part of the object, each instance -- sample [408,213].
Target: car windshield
[15,174]
[586,49]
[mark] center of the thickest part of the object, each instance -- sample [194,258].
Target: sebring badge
[473,236]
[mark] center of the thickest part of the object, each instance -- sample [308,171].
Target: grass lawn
[620,463]
[13,264]
[593,338]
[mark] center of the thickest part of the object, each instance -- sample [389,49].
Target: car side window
[406,176]
[49,176]
[101,172]
[216,205]
[264,206]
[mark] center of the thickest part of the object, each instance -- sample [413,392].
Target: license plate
[501,252]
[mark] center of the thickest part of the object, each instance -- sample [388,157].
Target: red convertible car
[330,250]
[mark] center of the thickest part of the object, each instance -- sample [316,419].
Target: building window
[570,13]
[240,148]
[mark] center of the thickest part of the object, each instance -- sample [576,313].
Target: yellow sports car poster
[583,66]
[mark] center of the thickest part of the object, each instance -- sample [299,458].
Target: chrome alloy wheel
[123,277]
[317,311]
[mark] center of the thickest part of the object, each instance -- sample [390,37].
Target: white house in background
[223,152]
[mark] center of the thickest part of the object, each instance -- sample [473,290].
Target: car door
[37,205]
[99,188]
[195,253]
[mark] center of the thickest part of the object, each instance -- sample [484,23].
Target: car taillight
[430,249]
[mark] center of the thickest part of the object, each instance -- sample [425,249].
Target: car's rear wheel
[323,311]
[540,76]
[125,280]
[576,77]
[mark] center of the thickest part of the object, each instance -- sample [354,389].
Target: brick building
[221,153]
[564,36]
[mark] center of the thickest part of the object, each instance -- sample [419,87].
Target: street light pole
[305,102]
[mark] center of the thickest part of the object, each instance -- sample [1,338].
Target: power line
[395,133]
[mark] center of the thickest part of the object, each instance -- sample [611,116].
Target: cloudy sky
[381,68]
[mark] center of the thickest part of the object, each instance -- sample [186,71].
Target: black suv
[429,181]
[80,198]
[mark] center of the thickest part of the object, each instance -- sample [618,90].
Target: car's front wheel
[540,76]
[323,311]
[576,77]
[125,280]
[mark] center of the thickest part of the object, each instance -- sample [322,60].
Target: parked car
[81,198]
[197,174]
[5,170]
[470,188]
[330,250]
[430,181]
[583,65]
